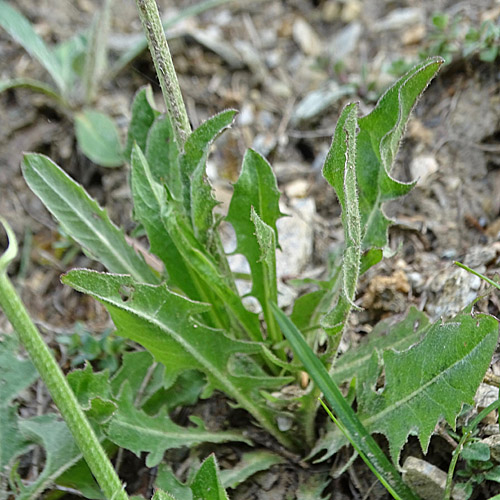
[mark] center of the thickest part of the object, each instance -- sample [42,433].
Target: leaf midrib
[117,255]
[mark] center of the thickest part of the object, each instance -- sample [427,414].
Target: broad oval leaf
[98,138]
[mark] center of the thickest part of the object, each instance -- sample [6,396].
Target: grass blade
[20,29]
[345,414]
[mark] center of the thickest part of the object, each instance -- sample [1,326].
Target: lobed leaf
[16,375]
[98,138]
[134,430]
[427,381]
[384,336]
[378,140]
[197,192]
[164,323]
[82,218]
[61,451]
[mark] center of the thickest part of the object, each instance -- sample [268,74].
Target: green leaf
[16,375]
[167,481]
[164,323]
[476,451]
[98,138]
[348,419]
[162,155]
[31,84]
[197,192]
[207,271]
[150,200]
[340,171]
[266,238]
[256,187]
[163,495]
[422,387]
[135,368]
[385,335]
[427,381]
[134,430]
[143,116]
[61,451]
[380,133]
[23,33]
[250,463]
[92,391]
[82,218]
[206,484]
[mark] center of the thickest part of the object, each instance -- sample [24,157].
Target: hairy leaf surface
[428,381]
[378,140]
[256,188]
[206,484]
[134,430]
[198,199]
[82,218]
[164,323]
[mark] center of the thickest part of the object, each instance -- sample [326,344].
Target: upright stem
[51,374]
[157,41]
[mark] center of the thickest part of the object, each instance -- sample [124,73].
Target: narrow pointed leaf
[345,414]
[340,171]
[199,203]
[98,138]
[162,155]
[250,463]
[208,272]
[82,218]
[150,200]
[143,116]
[256,188]
[23,33]
[164,323]
[206,484]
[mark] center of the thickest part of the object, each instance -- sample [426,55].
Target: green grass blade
[345,413]
[82,218]
[20,29]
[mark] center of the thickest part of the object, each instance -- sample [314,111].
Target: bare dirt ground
[263,58]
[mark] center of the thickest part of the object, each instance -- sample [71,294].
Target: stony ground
[288,67]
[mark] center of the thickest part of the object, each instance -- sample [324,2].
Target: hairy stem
[51,374]
[157,41]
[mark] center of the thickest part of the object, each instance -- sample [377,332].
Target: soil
[262,58]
